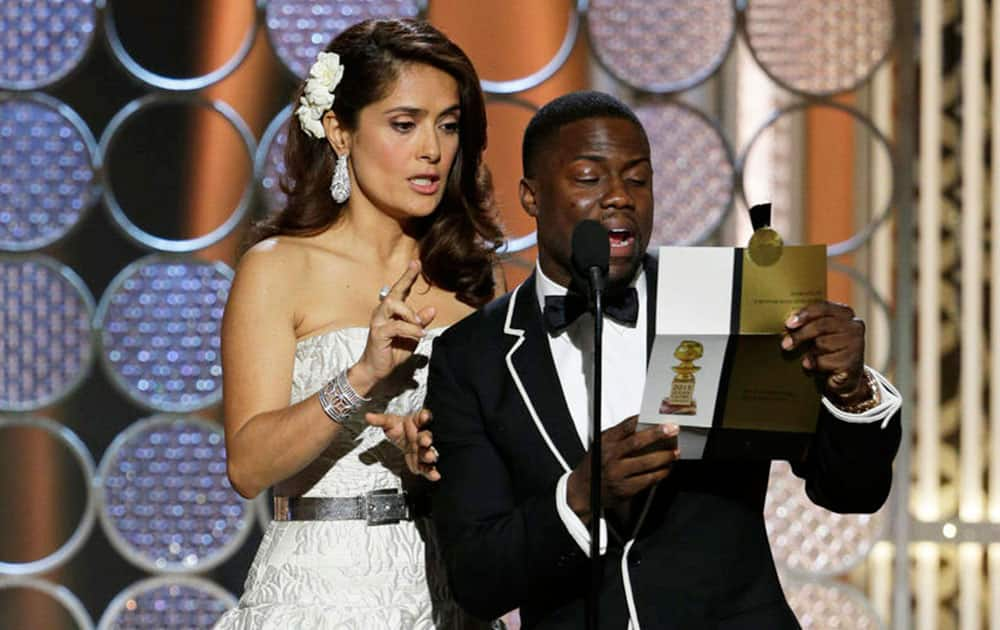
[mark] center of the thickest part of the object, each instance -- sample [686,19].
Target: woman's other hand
[408,433]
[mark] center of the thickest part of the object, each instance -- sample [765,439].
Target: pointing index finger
[401,290]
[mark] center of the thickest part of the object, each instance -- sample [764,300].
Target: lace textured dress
[346,574]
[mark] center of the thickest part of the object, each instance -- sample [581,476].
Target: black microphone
[591,253]
[590,258]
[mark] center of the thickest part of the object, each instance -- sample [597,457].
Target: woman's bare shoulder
[277,251]
[287,257]
[270,272]
[290,275]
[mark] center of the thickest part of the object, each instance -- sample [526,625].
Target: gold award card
[717,368]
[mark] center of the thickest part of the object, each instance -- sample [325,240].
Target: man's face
[595,168]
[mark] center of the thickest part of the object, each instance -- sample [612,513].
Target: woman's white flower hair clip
[324,75]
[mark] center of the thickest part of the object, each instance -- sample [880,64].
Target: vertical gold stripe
[217,164]
[755,102]
[928,291]
[971,458]
[926,586]
[993,559]
[970,585]
[880,580]
[882,246]
[994,459]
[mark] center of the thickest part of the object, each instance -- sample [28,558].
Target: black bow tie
[562,310]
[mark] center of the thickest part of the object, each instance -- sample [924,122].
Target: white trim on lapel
[516,332]
[633,615]
[517,379]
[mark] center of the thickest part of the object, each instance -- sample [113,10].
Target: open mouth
[427,184]
[620,239]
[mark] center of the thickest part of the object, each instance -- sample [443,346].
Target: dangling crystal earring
[340,185]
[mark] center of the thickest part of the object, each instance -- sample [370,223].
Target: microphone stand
[596,563]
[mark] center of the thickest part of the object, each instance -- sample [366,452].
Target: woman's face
[405,144]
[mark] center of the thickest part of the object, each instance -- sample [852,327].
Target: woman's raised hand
[393,333]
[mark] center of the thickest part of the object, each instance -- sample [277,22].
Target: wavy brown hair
[458,241]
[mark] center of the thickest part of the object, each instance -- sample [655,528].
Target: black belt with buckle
[378,507]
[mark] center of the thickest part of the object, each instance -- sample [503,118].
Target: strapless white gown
[345,574]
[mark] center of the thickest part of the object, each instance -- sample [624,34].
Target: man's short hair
[560,112]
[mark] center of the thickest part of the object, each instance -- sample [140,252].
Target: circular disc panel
[43,40]
[47,346]
[48,174]
[693,173]
[166,502]
[807,539]
[300,29]
[819,47]
[137,32]
[815,174]
[661,45]
[85,462]
[160,322]
[824,605]
[40,593]
[167,602]
[170,160]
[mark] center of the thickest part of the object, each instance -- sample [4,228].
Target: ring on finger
[383,293]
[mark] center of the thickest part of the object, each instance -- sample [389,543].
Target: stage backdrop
[138,140]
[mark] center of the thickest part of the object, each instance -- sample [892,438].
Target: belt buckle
[385,507]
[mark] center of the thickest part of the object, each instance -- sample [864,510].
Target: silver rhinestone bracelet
[339,400]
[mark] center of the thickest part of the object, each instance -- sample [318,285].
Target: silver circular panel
[269,165]
[47,344]
[160,322]
[42,41]
[165,500]
[169,601]
[809,540]
[551,67]
[819,47]
[661,45]
[785,122]
[131,115]
[300,29]
[62,595]
[75,445]
[48,164]
[825,605]
[693,172]
[175,84]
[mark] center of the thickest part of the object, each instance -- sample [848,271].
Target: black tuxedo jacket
[701,558]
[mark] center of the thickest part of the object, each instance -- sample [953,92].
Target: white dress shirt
[624,375]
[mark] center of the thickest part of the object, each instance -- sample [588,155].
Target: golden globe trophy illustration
[681,401]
